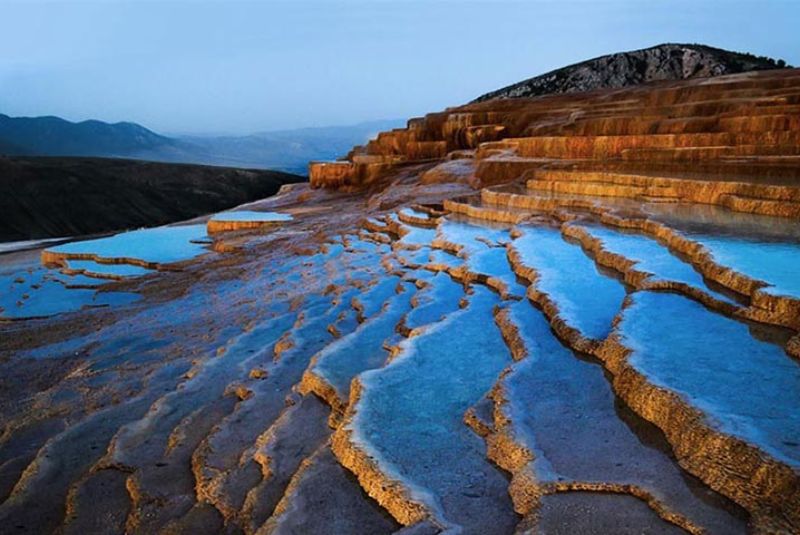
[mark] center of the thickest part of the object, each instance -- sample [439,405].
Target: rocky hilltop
[624,69]
[569,314]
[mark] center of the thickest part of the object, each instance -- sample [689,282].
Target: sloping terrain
[53,136]
[570,314]
[56,197]
[285,150]
[668,61]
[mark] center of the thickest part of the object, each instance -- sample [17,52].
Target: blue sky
[237,67]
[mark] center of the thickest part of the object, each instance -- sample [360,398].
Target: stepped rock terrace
[567,314]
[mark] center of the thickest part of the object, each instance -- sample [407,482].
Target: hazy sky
[238,67]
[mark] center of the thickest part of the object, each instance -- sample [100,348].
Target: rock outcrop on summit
[624,69]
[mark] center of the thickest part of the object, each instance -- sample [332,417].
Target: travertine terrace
[568,314]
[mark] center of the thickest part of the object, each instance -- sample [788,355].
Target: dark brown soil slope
[51,197]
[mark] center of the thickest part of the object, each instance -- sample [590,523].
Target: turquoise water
[410,418]
[776,263]
[483,248]
[374,298]
[471,236]
[362,349]
[414,257]
[746,388]
[249,215]
[435,301]
[119,270]
[417,236]
[438,256]
[563,409]
[414,213]
[587,299]
[651,257]
[762,247]
[494,263]
[37,292]
[159,245]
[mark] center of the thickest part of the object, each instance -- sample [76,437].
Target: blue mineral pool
[651,257]
[493,261]
[444,258]
[587,299]
[435,301]
[414,257]
[89,268]
[159,245]
[363,348]
[417,236]
[36,292]
[761,247]
[376,296]
[473,237]
[563,409]
[776,263]
[409,418]
[411,212]
[249,215]
[746,387]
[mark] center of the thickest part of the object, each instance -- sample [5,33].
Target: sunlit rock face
[641,141]
[516,316]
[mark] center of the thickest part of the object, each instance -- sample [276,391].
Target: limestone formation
[508,316]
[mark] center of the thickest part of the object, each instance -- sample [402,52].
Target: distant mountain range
[663,62]
[287,150]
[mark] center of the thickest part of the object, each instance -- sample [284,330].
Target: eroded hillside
[570,314]
[57,197]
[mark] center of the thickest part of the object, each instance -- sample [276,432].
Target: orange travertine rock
[731,122]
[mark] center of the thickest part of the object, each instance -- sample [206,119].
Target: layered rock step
[341,378]
[433,466]
[752,116]
[725,247]
[557,430]
[780,197]
[714,423]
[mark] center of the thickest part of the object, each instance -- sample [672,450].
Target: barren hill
[662,62]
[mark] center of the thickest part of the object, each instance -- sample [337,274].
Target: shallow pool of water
[562,407]
[473,237]
[493,262]
[89,267]
[363,348]
[441,297]
[776,263]
[249,215]
[34,291]
[746,387]
[587,299]
[410,415]
[417,236]
[651,257]
[159,245]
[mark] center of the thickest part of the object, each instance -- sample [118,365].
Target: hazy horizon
[199,68]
